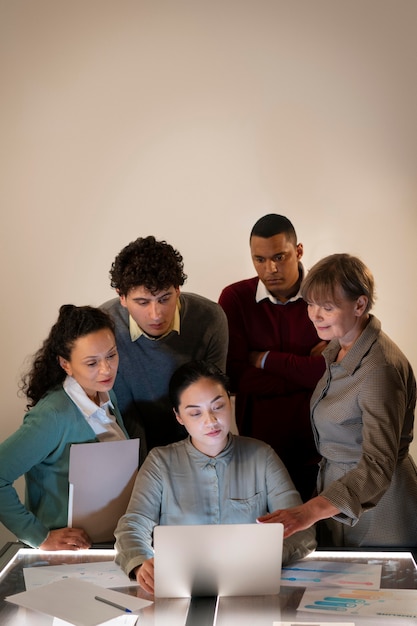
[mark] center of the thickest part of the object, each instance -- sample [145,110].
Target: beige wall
[189,120]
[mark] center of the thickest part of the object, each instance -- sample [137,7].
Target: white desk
[398,571]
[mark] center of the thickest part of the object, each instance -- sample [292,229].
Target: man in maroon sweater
[274,358]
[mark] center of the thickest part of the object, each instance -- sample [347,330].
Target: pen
[110,603]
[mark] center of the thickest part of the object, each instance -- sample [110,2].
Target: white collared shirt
[262,292]
[100,418]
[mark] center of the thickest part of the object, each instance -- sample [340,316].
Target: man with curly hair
[158,328]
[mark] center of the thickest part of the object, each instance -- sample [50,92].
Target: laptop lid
[218,560]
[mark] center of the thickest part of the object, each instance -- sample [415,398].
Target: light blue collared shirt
[178,484]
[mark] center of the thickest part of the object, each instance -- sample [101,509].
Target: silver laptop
[218,560]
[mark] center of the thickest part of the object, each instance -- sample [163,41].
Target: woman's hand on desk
[66,539]
[301,517]
[145,576]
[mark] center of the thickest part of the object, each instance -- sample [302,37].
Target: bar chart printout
[384,603]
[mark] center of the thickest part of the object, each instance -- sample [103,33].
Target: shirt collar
[223,457]
[352,360]
[262,292]
[136,331]
[87,407]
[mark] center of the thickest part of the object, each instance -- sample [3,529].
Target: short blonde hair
[339,272]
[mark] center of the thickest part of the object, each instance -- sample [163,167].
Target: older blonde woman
[362,415]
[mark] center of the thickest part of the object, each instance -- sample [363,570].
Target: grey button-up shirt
[177,484]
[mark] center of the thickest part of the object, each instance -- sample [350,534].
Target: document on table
[383,603]
[315,623]
[74,601]
[103,573]
[312,573]
[101,477]
[123,620]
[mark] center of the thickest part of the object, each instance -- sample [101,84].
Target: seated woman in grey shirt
[212,477]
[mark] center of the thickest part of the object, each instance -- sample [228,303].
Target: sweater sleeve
[283,373]
[244,377]
[216,351]
[302,371]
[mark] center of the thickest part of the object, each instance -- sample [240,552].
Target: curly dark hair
[192,372]
[46,372]
[148,263]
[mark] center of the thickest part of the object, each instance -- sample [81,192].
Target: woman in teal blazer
[69,401]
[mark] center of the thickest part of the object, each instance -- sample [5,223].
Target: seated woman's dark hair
[192,372]
[73,322]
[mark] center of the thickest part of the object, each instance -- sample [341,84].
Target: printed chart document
[101,477]
[313,624]
[385,603]
[75,602]
[328,573]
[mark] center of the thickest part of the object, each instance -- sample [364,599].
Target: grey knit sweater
[146,366]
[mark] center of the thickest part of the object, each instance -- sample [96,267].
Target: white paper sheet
[314,624]
[74,601]
[123,620]
[103,573]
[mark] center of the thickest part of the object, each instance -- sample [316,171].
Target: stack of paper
[75,601]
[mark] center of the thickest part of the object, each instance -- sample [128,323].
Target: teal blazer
[39,449]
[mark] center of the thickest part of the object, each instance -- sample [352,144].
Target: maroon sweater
[273,404]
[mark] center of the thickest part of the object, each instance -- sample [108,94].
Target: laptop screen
[218,560]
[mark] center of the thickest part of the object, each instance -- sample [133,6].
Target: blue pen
[110,603]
